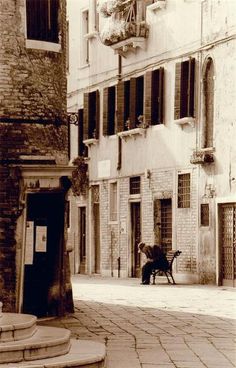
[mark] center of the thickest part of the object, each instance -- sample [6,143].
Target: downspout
[119,162]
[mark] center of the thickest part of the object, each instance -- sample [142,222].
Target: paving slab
[186,326]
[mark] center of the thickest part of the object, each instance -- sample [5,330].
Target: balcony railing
[124,22]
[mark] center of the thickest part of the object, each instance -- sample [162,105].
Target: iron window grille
[184,191]
[113,201]
[135,185]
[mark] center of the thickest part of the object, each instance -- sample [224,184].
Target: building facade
[34,181]
[152,84]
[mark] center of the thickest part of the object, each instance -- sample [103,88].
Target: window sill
[132,133]
[159,4]
[130,44]
[183,121]
[43,45]
[90,141]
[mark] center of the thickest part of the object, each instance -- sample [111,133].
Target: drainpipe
[119,166]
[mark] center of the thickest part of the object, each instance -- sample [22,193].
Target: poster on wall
[29,243]
[41,239]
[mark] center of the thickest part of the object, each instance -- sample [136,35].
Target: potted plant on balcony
[121,22]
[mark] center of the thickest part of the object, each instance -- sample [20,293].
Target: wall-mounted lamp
[73,118]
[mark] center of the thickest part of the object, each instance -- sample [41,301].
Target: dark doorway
[135,238]
[82,239]
[96,237]
[45,217]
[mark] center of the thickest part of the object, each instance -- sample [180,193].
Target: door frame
[220,201]
[23,250]
[130,258]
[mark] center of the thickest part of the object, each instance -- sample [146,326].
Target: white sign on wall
[41,239]
[29,243]
[104,169]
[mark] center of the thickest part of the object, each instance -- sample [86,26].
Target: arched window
[208,103]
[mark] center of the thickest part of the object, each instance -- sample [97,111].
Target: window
[91,115]
[134,185]
[184,191]
[113,201]
[205,214]
[154,96]
[42,20]
[109,110]
[184,89]
[136,102]
[208,97]
[85,40]
[130,103]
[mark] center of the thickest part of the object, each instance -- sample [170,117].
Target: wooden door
[82,239]
[135,239]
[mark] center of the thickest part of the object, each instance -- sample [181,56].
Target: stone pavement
[161,326]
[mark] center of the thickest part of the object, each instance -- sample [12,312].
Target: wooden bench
[170,255]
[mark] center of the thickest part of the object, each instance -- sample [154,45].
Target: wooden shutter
[97,114]
[148,98]
[120,106]
[132,106]
[161,96]
[177,90]
[86,116]
[81,146]
[191,87]
[105,111]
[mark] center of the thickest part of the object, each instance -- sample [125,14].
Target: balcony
[202,156]
[124,28]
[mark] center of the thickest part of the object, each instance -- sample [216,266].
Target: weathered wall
[208,29]
[32,123]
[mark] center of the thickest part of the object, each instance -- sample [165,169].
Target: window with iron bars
[135,185]
[184,191]
[204,214]
[113,201]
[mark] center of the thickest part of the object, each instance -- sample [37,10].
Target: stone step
[83,354]
[14,326]
[46,342]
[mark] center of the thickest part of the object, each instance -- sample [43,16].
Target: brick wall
[160,184]
[32,122]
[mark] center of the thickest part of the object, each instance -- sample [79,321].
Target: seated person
[156,259]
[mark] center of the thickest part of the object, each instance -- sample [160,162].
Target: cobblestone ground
[164,326]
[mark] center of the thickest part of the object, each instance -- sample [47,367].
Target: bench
[170,255]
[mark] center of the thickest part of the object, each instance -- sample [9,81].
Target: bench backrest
[171,255]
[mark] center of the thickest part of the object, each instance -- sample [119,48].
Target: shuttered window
[42,20]
[184,89]
[154,97]
[91,115]
[109,110]
[136,102]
